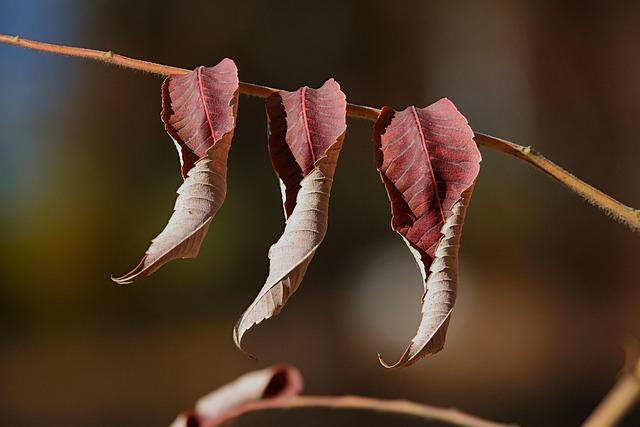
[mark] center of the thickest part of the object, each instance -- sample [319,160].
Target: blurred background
[549,286]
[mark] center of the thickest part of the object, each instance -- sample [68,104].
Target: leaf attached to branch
[199,111]
[306,130]
[428,162]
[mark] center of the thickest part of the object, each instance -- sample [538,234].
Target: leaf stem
[624,394]
[610,206]
[432,413]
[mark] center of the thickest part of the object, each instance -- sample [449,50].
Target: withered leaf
[428,162]
[276,382]
[199,111]
[306,131]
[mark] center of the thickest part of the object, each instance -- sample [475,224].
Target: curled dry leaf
[428,162]
[276,382]
[306,130]
[199,111]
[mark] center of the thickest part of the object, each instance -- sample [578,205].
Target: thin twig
[618,211]
[624,394]
[403,407]
[610,206]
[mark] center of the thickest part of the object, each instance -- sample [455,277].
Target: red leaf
[199,110]
[302,126]
[306,130]
[427,159]
[196,109]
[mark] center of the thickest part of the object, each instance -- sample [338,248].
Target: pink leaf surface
[428,160]
[196,109]
[199,110]
[306,130]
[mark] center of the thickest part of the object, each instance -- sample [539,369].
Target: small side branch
[610,206]
[402,407]
[624,394]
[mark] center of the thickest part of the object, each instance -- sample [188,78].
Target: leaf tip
[126,279]
[237,336]
[238,333]
[407,359]
[227,62]
[332,82]
[140,271]
[385,364]
[122,280]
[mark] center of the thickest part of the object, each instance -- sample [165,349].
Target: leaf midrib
[426,150]
[307,132]
[204,105]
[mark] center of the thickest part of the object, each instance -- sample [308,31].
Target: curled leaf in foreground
[276,382]
[199,111]
[428,163]
[306,131]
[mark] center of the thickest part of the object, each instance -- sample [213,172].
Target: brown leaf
[199,110]
[306,130]
[276,382]
[428,162]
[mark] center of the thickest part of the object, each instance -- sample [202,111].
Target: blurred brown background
[549,286]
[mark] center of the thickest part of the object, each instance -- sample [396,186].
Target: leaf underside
[428,162]
[306,131]
[199,110]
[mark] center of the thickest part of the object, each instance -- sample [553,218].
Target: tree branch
[402,407]
[610,206]
[624,394]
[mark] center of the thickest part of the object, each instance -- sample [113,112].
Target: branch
[624,394]
[610,206]
[279,387]
[403,407]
